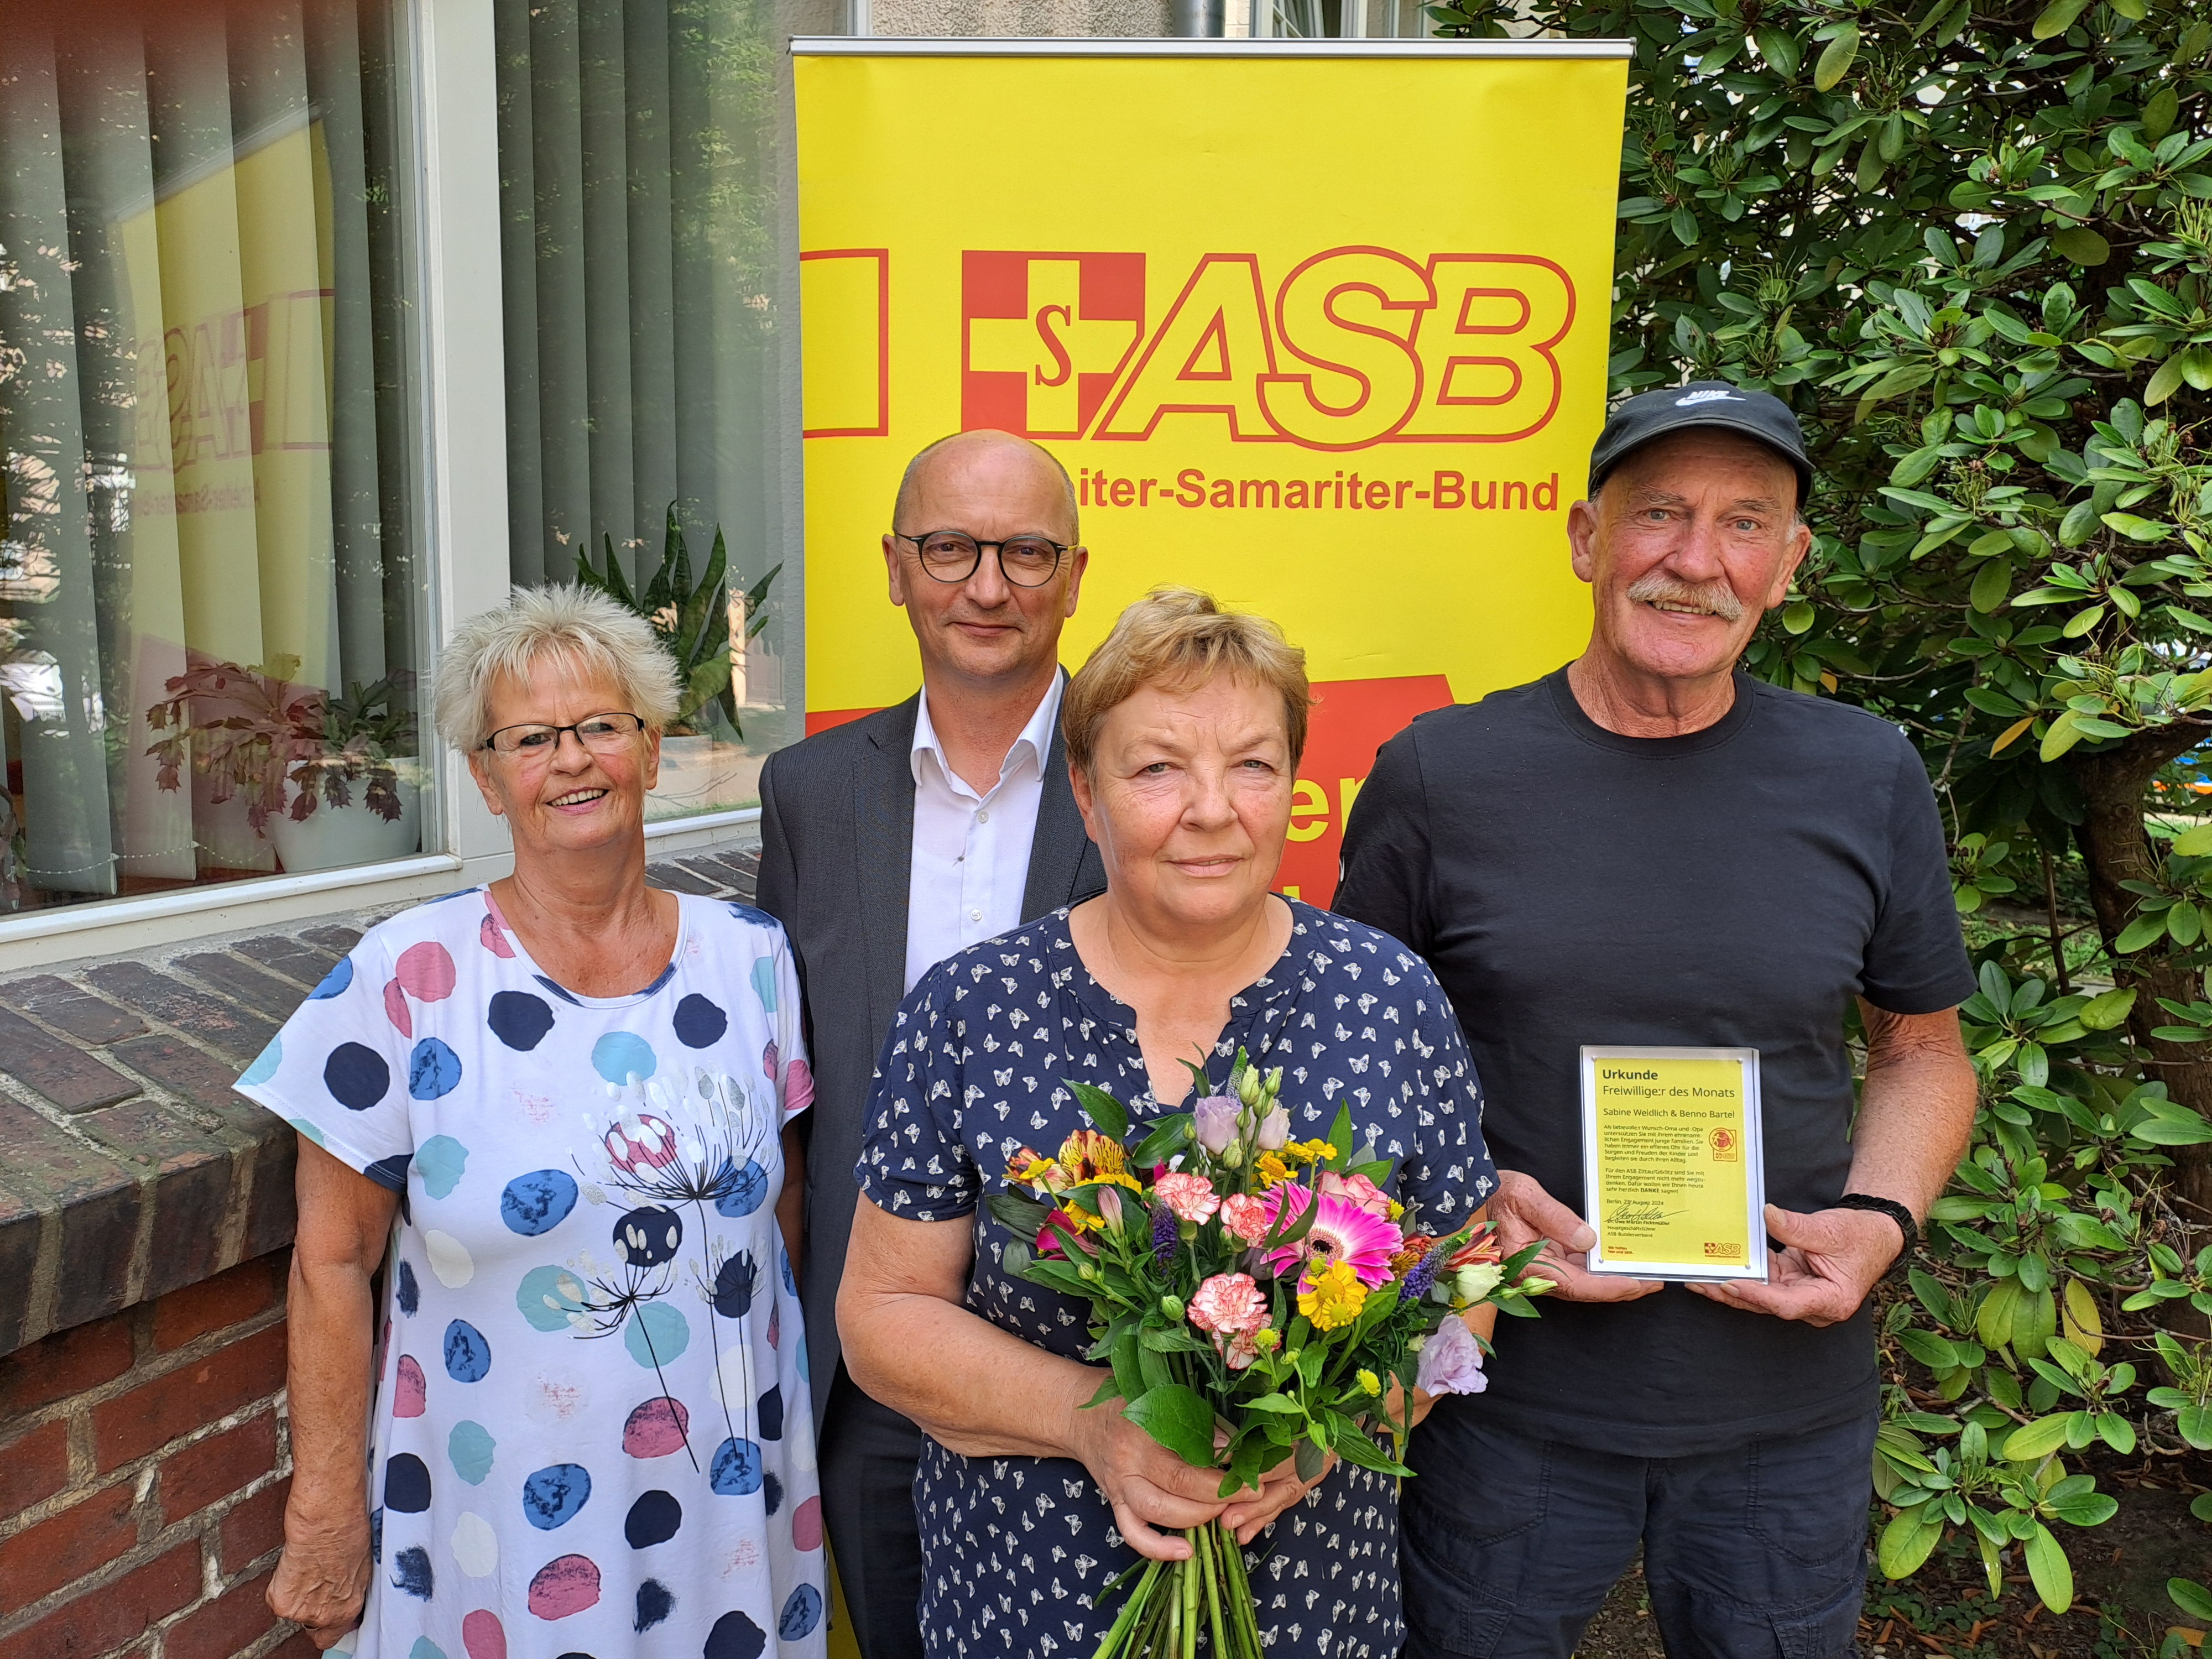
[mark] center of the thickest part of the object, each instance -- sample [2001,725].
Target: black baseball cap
[1651,415]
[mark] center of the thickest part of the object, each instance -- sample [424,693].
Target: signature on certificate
[1646,1214]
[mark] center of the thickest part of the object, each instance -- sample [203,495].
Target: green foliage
[1972,246]
[1970,241]
[2005,1492]
[693,620]
[2195,1601]
[2190,1400]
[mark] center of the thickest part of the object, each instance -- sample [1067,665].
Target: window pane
[1378,20]
[208,621]
[637,180]
[1398,20]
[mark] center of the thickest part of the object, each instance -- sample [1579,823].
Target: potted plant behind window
[703,762]
[332,781]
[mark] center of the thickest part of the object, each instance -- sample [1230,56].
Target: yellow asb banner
[1318,326]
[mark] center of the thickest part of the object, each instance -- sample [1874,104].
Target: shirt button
[974,916]
[983,816]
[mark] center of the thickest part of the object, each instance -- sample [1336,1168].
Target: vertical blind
[637,190]
[207,437]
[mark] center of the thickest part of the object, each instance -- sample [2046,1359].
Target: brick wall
[128,1167]
[142,1492]
[144,1210]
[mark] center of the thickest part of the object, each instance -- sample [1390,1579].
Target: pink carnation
[1245,1216]
[1239,1351]
[1229,1303]
[1191,1197]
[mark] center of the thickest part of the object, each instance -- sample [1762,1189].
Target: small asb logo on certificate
[1672,1176]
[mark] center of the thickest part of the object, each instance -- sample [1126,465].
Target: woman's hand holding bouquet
[1261,1302]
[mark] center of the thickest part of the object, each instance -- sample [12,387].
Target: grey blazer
[836,855]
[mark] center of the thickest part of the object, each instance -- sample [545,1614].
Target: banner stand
[1317,326]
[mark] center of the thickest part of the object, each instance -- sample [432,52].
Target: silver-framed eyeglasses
[599,734]
[952,556]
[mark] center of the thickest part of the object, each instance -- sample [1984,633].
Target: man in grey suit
[891,842]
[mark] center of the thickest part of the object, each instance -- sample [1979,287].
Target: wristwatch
[1896,1212]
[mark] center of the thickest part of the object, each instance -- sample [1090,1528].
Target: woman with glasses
[557,1110]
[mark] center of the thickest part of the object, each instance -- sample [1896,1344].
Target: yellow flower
[1272,1170]
[1332,1297]
[1369,1384]
[1087,1155]
[1310,1152]
[1396,1209]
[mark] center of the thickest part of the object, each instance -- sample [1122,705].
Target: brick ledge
[128,1167]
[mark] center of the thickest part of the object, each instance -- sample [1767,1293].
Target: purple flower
[1422,1274]
[1451,1361]
[1274,1132]
[1217,1121]
[1164,1234]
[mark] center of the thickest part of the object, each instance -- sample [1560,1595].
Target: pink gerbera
[1229,1305]
[1341,1231]
[1190,1196]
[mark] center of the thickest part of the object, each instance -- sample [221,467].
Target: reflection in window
[1333,20]
[639,223]
[207,620]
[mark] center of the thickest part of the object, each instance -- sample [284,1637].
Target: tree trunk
[2115,848]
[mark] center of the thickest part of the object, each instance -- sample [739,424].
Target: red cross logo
[1044,336]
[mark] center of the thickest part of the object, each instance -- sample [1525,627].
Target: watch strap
[1896,1211]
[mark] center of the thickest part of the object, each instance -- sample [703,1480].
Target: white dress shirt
[971,853]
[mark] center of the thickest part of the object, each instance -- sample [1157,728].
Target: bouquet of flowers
[1257,1298]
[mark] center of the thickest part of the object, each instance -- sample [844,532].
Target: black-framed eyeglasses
[950,555]
[597,732]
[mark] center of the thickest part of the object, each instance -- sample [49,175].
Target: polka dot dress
[592,1434]
[1013,1547]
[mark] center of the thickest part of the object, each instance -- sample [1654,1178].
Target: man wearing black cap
[1650,847]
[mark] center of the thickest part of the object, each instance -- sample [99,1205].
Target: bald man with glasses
[891,842]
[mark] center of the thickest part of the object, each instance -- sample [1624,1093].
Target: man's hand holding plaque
[1524,1213]
[1832,1260]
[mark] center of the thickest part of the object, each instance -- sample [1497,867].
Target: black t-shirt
[1733,888]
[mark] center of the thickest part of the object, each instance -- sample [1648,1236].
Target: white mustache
[1717,597]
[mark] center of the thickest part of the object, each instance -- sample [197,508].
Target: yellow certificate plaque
[1673,1175]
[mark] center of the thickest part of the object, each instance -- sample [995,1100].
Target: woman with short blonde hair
[1184,731]
[1179,636]
[584,632]
[575,1094]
